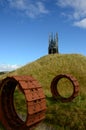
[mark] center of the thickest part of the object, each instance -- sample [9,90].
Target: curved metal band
[54,85]
[35,99]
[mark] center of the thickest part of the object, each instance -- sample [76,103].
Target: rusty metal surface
[35,99]
[54,85]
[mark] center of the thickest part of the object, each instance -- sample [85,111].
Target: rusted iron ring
[54,85]
[35,99]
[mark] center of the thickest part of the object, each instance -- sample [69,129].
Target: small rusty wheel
[35,99]
[54,85]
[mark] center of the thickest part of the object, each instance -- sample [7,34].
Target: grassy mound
[62,116]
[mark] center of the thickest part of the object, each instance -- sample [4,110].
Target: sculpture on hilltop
[53,44]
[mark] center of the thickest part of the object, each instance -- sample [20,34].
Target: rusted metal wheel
[54,85]
[35,99]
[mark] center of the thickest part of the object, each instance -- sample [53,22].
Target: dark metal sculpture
[53,44]
[54,85]
[35,100]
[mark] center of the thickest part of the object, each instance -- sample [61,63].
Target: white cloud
[18,4]
[64,3]
[8,67]
[81,23]
[77,11]
[29,8]
[78,7]
[42,8]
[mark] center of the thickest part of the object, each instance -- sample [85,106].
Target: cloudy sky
[25,26]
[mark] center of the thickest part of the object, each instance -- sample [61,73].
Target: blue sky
[26,24]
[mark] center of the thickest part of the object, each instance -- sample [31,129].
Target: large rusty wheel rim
[36,104]
[55,92]
[9,111]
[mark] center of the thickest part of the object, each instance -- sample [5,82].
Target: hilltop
[59,115]
[47,67]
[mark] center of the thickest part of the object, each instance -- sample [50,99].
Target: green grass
[62,116]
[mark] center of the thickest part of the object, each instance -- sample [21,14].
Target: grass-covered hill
[59,116]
